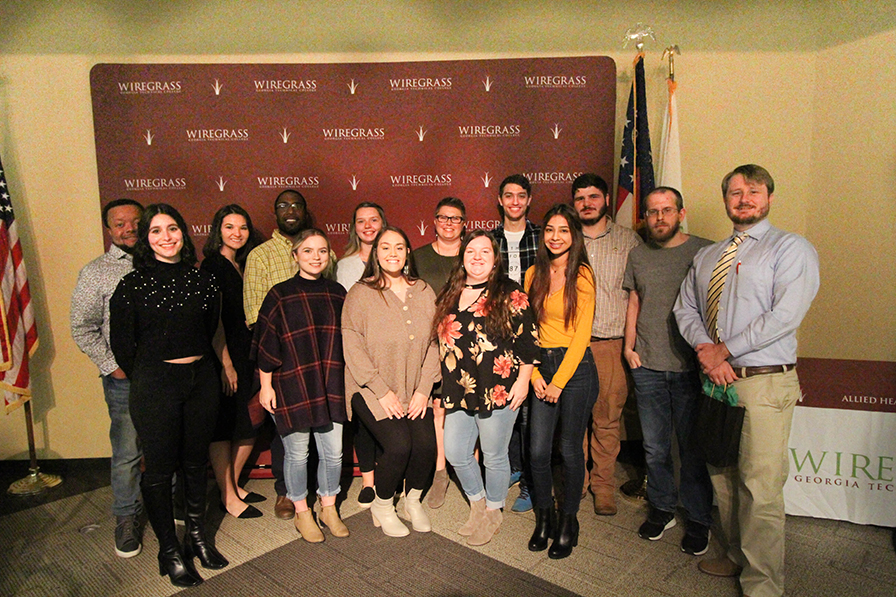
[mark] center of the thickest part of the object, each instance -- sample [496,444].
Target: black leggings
[174,408]
[365,447]
[409,449]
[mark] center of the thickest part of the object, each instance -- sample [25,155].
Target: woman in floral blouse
[487,346]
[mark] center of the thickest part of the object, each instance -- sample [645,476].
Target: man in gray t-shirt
[664,371]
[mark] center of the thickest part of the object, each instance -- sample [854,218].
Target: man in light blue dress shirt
[769,288]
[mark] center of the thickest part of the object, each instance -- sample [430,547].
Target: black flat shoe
[249,512]
[254,498]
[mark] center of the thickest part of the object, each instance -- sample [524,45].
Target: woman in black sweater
[163,318]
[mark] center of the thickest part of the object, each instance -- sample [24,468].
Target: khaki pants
[751,494]
[612,377]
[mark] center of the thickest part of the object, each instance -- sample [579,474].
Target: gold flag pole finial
[671,51]
[637,34]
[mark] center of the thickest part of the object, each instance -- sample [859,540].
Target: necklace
[478,286]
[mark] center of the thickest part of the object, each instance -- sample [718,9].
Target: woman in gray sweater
[390,367]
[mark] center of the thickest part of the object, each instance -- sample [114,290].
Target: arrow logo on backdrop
[148,136]
[221,183]
[556,130]
[487,83]
[485,179]
[421,132]
[354,180]
[285,135]
[217,87]
[352,87]
[422,228]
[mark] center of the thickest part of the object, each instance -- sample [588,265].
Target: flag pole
[37,481]
[636,182]
[18,338]
[636,34]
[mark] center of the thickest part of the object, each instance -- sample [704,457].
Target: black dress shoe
[544,529]
[567,537]
[249,512]
[254,498]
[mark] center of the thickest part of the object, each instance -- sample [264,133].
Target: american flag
[18,333]
[635,168]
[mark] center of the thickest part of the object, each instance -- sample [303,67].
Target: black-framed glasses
[284,205]
[453,219]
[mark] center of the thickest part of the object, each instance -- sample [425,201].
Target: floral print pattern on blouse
[478,370]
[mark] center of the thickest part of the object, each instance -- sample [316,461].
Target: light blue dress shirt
[769,290]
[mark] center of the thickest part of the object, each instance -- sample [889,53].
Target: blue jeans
[328,440]
[126,451]
[667,398]
[572,410]
[493,430]
[519,444]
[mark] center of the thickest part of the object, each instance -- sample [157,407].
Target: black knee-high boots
[156,489]
[195,540]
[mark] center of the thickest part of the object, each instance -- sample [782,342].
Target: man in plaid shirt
[267,265]
[518,239]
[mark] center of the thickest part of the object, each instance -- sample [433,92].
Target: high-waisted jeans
[571,410]
[492,429]
[174,408]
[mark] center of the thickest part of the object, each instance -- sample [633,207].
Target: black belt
[768,370]
[596,339]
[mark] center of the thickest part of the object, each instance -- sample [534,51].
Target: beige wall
[821,119]
[851,204]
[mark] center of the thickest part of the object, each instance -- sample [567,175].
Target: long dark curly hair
[216,241]
[143,253]
[498,291]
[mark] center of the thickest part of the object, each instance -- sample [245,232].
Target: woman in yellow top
[561,290]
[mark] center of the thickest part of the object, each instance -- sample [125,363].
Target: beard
[292,229]
[747,220]
[666,236]
[125,248]
[593,221]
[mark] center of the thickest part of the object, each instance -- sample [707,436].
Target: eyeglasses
[453,219]
[295,205]
[666,211]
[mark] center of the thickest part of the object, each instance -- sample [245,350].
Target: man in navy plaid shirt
[518,239]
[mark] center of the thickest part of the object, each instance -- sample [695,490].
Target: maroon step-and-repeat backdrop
[402,134]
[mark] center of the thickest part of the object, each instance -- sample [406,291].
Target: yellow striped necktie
[717,284]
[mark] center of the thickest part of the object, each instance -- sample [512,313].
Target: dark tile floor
[78,476]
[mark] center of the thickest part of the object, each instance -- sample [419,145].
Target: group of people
[482,350]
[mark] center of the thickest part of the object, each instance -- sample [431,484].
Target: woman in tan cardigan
[390,367]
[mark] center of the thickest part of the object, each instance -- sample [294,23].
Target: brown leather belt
[752,371]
